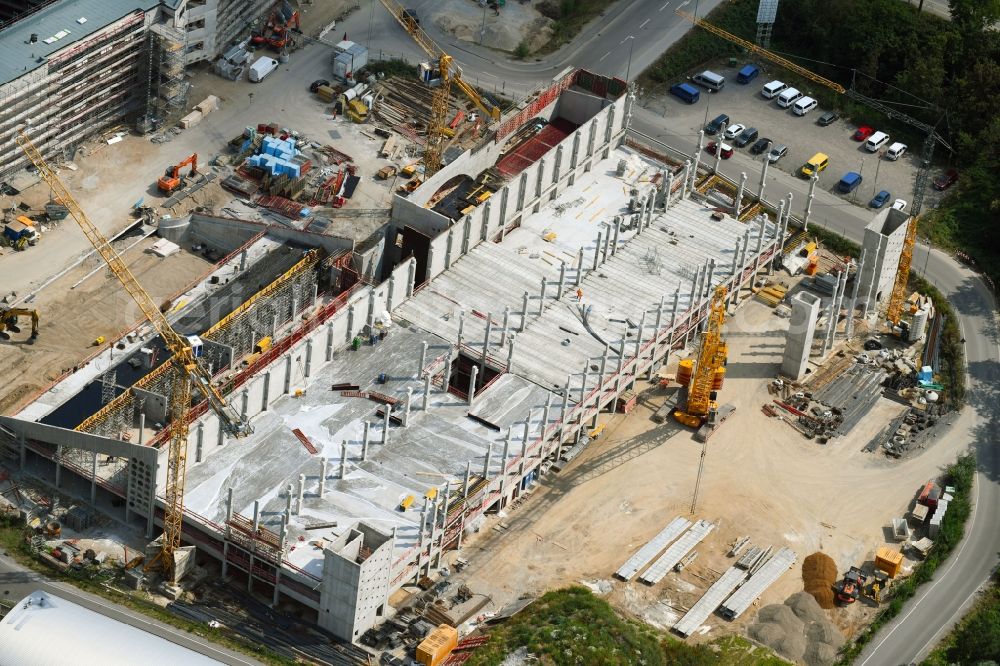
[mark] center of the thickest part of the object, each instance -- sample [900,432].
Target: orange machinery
[171,180]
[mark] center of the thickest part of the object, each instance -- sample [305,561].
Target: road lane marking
[665,5]
[952,561]
[605,56]
[643,24]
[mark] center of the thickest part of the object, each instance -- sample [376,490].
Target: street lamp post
[878,164]
[861,172]
[631,46]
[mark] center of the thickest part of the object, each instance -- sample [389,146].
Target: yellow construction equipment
[711,356]
[761,51]
[189,371]
[895,308]
[8,322]
[438,128]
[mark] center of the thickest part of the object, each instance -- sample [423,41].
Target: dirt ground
[761,479]
[71,319]
[517,22]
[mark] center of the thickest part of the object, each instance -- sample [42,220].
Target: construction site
[402,373]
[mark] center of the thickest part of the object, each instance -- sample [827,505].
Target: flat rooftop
[17,56]
[438,444]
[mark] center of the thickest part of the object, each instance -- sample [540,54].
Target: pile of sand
[798,630]
[819,572]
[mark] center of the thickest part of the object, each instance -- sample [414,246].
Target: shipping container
[436,648]
[888,560]
[348,58]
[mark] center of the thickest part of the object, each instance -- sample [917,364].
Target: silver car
[777,153]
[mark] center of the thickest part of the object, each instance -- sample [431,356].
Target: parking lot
[803,136]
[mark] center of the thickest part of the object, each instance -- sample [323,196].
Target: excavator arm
[8,321]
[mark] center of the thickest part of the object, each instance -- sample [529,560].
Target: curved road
[604,47]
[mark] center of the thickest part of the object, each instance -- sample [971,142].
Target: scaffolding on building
[167,86]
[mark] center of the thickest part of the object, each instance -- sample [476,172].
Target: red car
[863,133]
[727,150]
[945,180]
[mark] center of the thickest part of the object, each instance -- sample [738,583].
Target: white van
[876,141]
[710,80]
[804,106]
[772,89]
[895,151]
[261,68]
[788,97]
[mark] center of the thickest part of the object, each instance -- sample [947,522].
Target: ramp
[759,582]
[676,552]
[646,554]
[709,601]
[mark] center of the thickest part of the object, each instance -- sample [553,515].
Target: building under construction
[70,68]
[390,414]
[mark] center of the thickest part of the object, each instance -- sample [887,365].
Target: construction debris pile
[798,630]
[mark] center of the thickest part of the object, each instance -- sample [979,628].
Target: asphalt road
[16,582]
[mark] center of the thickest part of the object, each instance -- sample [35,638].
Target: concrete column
[487,461]
[411,276]
[350,322]
[695,287]
[809,201]
[506,454]
[447,502]
[736,260]
[762,223]
[779,247]
[244,403]
[220,438]
[763,179]
[142,428]
[423,359]
[468,478]
[673,310]
[711,274]
[697,157]
[541,297]
[649,208]
[874,279]
[565,409]
[506,325]
[524,311]
[314,293]
[243,261]
[302,490]
[545,417]
[618,230]
[288,374]
[562,280]
[607,242]
[638,334]
[669,190]
[199,433]
[343,459]
[447,250]
[288,502]
[739,194]
[826,337]
[274,327]
[597,252]
[461,327]
[93,477]
[309,353]
[198,449]
[364,441]
[784,226]
[295,305]
[621,366]
[788,208]
[385,425]
[849,326]
[604,363]
[322,477]
[579,266]
[329,343]
[583,390]
[427,391]
[409,402]
[472,386]
[524,459]
[510,352]
[486,339]
[447,370]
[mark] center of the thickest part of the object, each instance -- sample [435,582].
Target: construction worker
[579,294]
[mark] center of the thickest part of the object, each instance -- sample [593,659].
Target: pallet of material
[653,547]
[735,605]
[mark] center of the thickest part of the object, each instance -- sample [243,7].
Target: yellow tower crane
[711,356]
[450,73]
[189,371]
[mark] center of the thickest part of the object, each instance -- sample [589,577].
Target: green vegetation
[569,17]
[944,73]
[976,640]
[572,626]
[523,50]
[393,67]
[960,475]
[102,582]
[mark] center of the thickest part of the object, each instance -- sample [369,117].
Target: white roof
[45,630]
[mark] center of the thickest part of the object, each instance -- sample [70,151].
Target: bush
[523,50]
[393,67]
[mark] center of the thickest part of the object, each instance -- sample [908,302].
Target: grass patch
[572,626]
[976,639]
[961,475]
[102,582]
[569,18]
[393,67]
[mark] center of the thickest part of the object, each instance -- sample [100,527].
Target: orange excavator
[276,32]
[171,180]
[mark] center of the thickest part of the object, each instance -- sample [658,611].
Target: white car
[899,204]
[735,130]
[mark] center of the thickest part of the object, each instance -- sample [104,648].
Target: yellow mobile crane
[701,406]
[189,371]
[450,73]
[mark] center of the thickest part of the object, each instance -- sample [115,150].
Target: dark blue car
[880,199]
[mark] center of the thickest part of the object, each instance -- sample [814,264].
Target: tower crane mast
[191,375]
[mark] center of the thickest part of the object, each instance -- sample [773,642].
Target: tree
[979,639]
[974,15]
